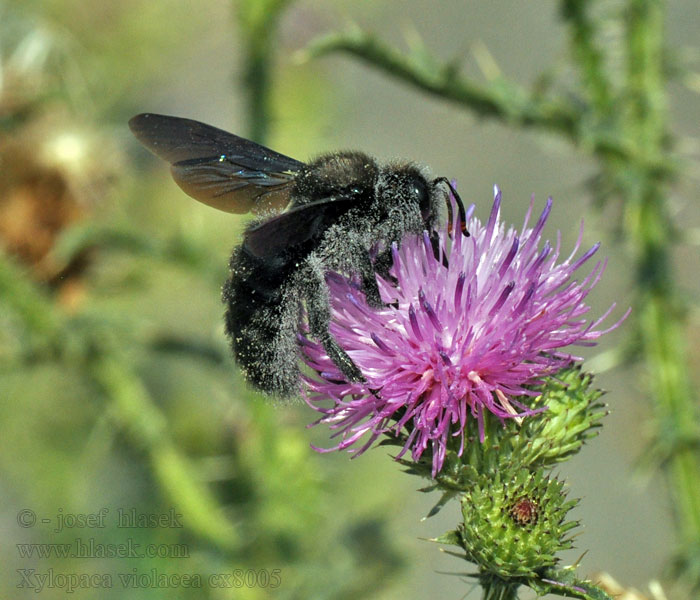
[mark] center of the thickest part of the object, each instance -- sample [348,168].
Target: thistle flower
[470,330]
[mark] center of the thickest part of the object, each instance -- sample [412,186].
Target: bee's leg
[435,243]
[371,290]
[284,367]
[380,267]
[313,280]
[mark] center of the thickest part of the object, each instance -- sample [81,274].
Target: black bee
[339,213]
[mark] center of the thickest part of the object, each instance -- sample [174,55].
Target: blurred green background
[117,390]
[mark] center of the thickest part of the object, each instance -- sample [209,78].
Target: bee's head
[404,194]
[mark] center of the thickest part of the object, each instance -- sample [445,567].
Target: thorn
[486,61]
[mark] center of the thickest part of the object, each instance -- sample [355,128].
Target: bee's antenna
[460,206]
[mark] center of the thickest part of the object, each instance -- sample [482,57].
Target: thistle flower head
[466,329]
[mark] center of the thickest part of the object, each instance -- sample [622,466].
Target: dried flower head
[465,331]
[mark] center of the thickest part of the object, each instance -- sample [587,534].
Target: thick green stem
[650,230]
[256,79]
[583,33]
[133,409]
[495,588]
[258,26]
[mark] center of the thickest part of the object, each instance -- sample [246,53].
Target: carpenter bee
[339,213]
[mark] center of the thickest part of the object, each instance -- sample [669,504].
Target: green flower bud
[514,523]
[573,413]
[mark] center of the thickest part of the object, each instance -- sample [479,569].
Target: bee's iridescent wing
[216,167]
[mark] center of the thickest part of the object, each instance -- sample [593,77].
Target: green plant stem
[494,588]
[649,228]
[133,409]
[501,99]
[258,26]
[583,33]
[256,79]
[27,301]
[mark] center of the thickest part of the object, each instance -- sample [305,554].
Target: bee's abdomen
[254,294]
